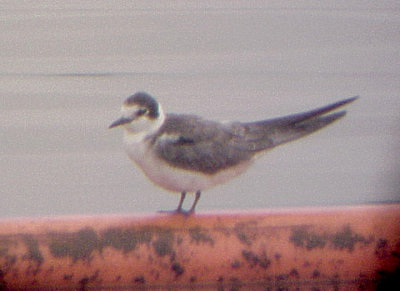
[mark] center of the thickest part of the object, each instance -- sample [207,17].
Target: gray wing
[189,142]
[192,143]
[264,134]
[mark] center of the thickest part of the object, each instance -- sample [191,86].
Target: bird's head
[141,113]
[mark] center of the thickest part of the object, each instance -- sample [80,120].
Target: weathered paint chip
[139,280]
[201,235]
[301,237]
[125,239]
[346,238]
[246,232]
[256,260]
[77,245]
[178,269]
[33,250]
[163,245]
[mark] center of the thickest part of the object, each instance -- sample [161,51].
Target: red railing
[344,247]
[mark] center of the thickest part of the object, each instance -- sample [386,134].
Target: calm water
[65,72]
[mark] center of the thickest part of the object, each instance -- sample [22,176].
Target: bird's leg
[179,208]
[183,195]
[196,199]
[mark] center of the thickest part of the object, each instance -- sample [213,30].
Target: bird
[186,153]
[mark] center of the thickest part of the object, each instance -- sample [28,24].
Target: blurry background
[66,69]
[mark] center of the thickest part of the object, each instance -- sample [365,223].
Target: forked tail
[287,128]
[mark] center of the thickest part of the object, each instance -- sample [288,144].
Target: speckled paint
[337,247]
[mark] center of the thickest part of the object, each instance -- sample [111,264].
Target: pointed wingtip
[351,99]
[325,109]
[340,103]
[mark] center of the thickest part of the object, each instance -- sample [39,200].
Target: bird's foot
[178,211]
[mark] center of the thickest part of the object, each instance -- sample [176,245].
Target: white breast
[172,178]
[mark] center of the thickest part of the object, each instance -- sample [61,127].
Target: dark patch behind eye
[145,100]
[141,111]
[184,141]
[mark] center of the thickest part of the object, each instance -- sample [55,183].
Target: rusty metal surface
[339,248]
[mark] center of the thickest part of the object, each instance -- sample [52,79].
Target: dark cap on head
[145,100]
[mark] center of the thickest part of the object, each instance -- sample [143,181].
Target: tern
[186,153]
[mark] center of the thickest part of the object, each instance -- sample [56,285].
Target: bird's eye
[141,111]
